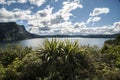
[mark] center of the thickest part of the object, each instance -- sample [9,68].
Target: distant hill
[12,31]
[83,36]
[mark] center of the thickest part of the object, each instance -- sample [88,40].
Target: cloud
[5,15]
[41,18]
[94,16]
[93,19]
[67,8]
[16,14]
[98,11]
[46,17]
[106,29]
[2,2]
[37,2]
[78,28]
[76,1]
[10,2]
[34,2]
[64,13]
[80,25]
[52,1]
[96,19]
[22,1]
[116,27]
[46,21]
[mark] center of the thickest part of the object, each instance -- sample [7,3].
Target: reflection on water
[38,41]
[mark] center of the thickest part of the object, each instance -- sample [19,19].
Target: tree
[2,72]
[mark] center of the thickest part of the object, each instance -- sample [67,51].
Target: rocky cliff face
[12,31]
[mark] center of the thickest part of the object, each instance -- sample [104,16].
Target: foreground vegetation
[56,60]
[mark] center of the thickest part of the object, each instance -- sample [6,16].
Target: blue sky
[63,16]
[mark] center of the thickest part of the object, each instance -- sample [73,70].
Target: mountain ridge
[12,31]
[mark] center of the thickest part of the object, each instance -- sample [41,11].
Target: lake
[38,41]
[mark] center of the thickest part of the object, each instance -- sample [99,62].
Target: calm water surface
[38,41]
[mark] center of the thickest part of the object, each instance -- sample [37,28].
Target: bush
[61,60]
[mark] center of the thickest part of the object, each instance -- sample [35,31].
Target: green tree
[12,70]
[2,72]
[12,51]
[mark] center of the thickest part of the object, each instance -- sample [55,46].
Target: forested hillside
[12,31]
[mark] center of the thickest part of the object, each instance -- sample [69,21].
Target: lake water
[38,41]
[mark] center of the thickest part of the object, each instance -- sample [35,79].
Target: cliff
[12,31]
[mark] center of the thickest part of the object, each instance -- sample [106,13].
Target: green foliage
[110,55]
[12,72]
[113,42]
[8,55]
[31,67]
[61,60]
[111,52]
[65,59]
[2,72]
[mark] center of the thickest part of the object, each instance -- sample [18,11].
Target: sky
[71,17]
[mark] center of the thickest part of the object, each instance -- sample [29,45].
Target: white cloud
[34,2]
[45,17]
[116,27]
[98,11]
[46,22]
[76,1]
[52,1]
[22,1]
[22,14]
[67,8]
[96,19]
[10,2]
[94,16]
[2,2]
[61,28]
[41,18]
[16,14]
[70,28]
[93,19]
[106,29]
[4,14]
[64,13]
[37,2]
[80,25]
